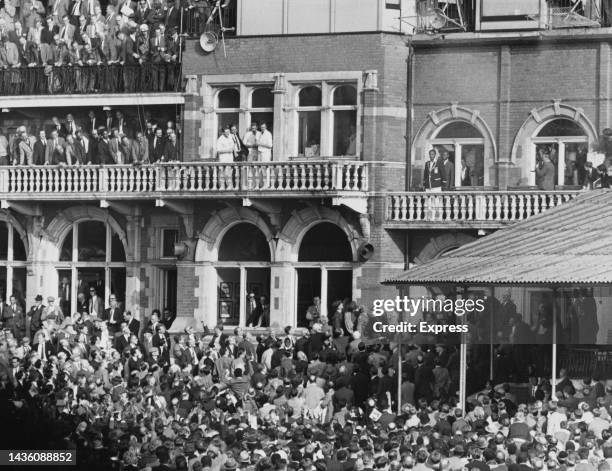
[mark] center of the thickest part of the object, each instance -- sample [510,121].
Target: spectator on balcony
[108,117]
[67,30]
[545,173]
[24,150]
[240,150]
[71,126]
[171,152]
[143,45]
[591,176]
[466,175]
[173,16]
[4,149]
[143,13]
[16,32]
[114,145]
[105,157]
[125,151]
[448,169]
[35,32]
[92,122]
[140,149]
[432,174]
[121,124]
[157,146]
[40,149]
[57,126]
[82,142]
[225,146]
[264,144]
[251,138]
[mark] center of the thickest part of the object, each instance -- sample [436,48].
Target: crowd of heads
[126,394]
[110,138]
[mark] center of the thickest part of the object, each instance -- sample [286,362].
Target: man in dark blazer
[132,324]
[105,157]
[448,171]
[156,146]
[161,340]
[34,318]
[432,175]
[122,341]
[13,318]
[113,316]
[171,149]
[40,149]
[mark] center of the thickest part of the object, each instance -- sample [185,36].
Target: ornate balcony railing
[31,182]
[496,207]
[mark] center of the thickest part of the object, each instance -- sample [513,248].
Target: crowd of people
[127,395]
[95,140]
[83,46]
[255,146]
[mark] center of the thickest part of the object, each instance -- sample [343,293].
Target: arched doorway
[466,148]
[243,277]
[324,269]
[567,144]
[13,257]
[92,260]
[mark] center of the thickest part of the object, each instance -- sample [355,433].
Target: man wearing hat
[34,317]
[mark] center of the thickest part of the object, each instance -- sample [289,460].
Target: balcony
[182,180]
[469,209]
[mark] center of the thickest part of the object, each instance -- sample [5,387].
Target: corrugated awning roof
[569,244]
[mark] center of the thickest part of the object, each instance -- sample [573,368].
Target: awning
[567,245]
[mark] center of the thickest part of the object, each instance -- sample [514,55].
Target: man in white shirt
[251,139]
[264,145]
[225,146]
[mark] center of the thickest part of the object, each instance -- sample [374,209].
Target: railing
[481,206]
[197,18]
[148,77]
[185,178]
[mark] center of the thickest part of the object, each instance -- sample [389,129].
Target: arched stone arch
[7,216]
[538,118]
[300,223]
[436,120]
[441,244]
[207,248]
[60,226]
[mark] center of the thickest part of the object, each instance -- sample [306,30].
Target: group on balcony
[81,46]
[256,146]
[97,141]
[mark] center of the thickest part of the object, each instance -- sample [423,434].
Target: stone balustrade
[477,206]
[25,182]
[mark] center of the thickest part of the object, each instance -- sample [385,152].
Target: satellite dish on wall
[209,41]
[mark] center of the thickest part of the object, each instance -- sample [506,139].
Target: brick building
[354,98]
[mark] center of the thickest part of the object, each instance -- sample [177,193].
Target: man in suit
[173,16]
[92,122]
[448,171]
[254,310]
[113,315]
[140,149]
[122,341]
[95,307]
[105,157]
[432,175]
[14,319]
[161,340]
[58,126]
[59,9]
[64,294]
[545,173]
[171,149]
[157,146]
[466,176]
[67,30]
[35,316]
[132,324]
[40,149]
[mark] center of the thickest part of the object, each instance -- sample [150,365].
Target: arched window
[228,107]
[565,142]
[243,277]
[12,264]
[262,108]
[309,122]
[344,114]
[464,145]
[325,270]
[92,262]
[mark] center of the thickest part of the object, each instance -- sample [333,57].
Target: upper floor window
[228,107]
[326,123]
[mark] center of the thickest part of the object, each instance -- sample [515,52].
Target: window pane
[66,251]
[309,138]
[575,160]
[170,237]
[458,130]
[3,241]
[345,132]
[262,98]
[226,119]
[229,98]
[561,127]
[472,165]
[310,96]
[117,250]
[92,241]
[346,95]
[19,252]
[229,295]
[267,118]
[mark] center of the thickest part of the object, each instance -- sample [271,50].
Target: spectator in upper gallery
[140,149]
